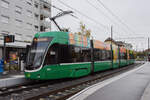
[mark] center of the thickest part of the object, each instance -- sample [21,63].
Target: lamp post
[111,46]
[4,53]
[148,51]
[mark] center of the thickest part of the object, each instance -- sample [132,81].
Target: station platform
[11,79]
[131,85]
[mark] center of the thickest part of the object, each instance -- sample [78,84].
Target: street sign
[9,38]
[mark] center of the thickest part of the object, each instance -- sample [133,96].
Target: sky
[129,18]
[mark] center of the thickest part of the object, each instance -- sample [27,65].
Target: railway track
[66,92]
[62,89]
[14,90]
[3,90]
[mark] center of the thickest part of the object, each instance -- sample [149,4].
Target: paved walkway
[131,85]
[10,74]
[12,78]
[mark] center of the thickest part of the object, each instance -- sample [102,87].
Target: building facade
[22,18]
[119,43]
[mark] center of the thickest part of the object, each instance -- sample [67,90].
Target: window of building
[30,36]
[29,26]
[42,28]
[18,9]
[29,13]
[29,2]
[18,34]
[46,8]
[5,19]
[4,3]
[36,27]
[5,32]
[36,16]
[18,22]
[36,5]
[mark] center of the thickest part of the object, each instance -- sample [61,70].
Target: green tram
[55,55]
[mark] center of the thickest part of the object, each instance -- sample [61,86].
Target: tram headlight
[48,69]
[38,76]
[28,75]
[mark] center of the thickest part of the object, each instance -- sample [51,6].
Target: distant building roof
[109,39]
[119,43]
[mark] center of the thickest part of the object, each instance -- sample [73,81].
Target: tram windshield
[37,51]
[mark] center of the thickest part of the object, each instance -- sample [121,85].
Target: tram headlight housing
[28,75]
[38,76]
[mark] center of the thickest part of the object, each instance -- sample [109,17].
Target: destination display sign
[41,39]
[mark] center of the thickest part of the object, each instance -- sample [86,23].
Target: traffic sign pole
[4,54]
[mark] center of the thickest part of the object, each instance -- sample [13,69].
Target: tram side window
[76,54]
[103,55]
[123,56]
[131,56]
[80,54]
[108,55]
[96,55]
[52,55]
[65,54]
[85,54]
[100,55]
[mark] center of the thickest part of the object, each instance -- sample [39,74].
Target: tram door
[52,55]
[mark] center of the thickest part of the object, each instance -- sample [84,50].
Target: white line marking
[18,76]
[74,63]
[12,77]
[91,89]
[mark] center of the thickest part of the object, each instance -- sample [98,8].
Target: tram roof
[52,33]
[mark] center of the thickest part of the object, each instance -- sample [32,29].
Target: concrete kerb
[146,94]
[14,80]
